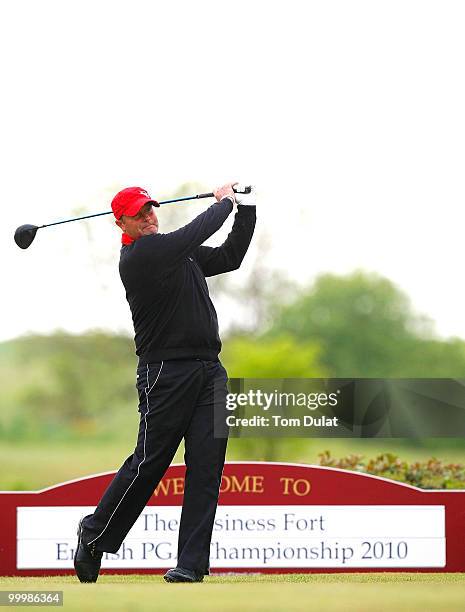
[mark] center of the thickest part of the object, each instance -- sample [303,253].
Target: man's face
[142,224]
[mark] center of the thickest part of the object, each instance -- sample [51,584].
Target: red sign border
[329,486]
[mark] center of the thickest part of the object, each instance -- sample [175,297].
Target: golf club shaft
[184,199]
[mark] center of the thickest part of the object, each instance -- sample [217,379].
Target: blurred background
[347,116]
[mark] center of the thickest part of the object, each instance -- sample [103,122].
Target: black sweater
[164,277]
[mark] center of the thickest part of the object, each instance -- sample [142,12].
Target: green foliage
[430,474]
[280,357]
[63,386]
[366,328]
[67,384]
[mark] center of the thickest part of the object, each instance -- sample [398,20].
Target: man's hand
[225,192]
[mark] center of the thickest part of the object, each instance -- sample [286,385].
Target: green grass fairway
[33,465]
[259,593]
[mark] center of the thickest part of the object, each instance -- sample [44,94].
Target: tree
[281,357]
[366,327]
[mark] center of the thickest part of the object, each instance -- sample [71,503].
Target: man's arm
[166,250]
[230,254]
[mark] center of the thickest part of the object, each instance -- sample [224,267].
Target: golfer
[180,380]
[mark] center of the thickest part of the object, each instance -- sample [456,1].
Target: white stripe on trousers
[147,391]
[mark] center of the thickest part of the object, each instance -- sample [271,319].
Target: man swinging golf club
[180,380]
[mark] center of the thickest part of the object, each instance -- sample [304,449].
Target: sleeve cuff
[230,198]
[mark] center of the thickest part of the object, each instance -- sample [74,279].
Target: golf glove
[247,199]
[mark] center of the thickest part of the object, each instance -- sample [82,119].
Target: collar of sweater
[125,239]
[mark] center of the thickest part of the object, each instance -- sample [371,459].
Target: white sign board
[251,537]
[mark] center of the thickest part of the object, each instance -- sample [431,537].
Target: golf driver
[25,234]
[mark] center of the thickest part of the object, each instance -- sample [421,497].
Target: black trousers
[177,399]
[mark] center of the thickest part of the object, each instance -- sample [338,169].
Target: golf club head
[25,234]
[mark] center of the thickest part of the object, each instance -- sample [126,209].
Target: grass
[35,465]
[258,593]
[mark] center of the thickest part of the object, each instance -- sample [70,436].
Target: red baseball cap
[129,201]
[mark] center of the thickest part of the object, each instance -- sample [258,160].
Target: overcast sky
[348,116]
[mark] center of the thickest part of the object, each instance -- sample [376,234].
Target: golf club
[25,234]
